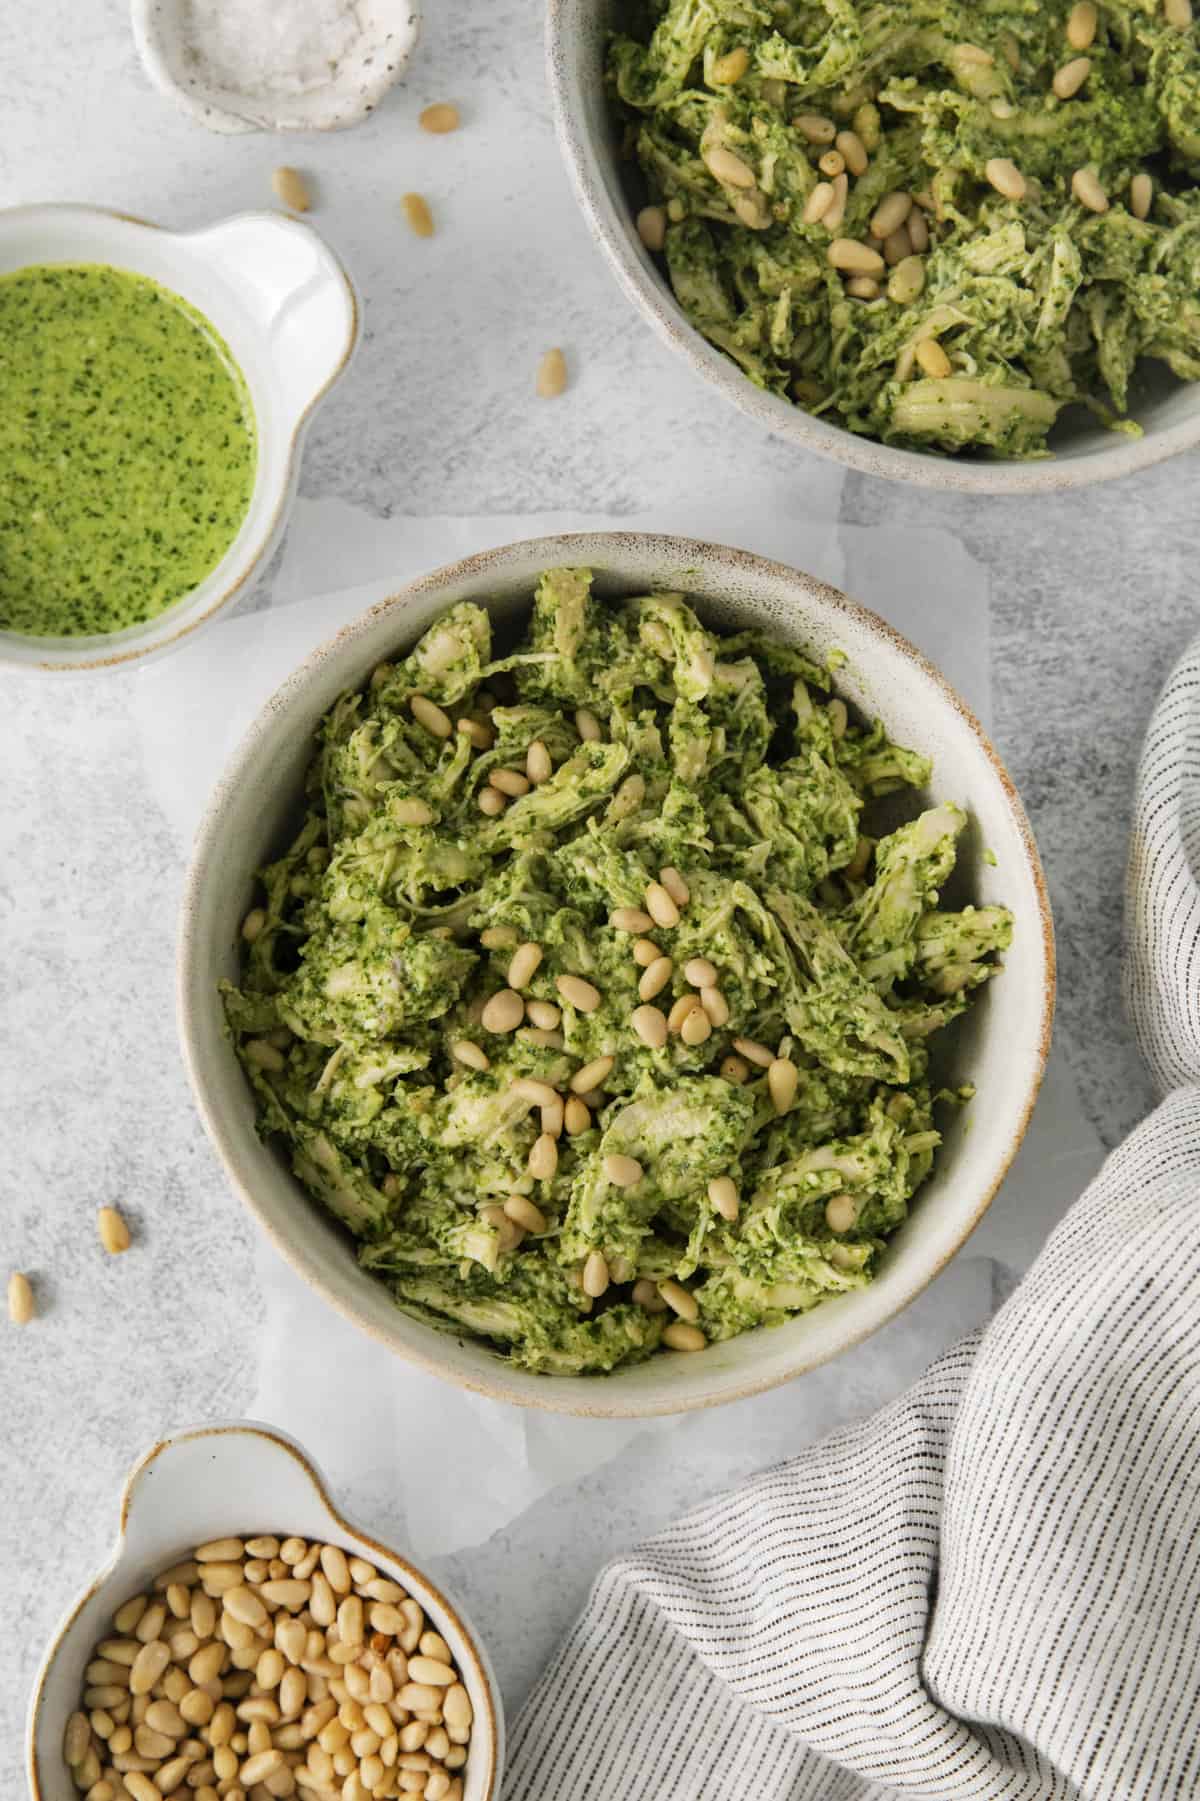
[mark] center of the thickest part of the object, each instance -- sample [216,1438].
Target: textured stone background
[1092,598]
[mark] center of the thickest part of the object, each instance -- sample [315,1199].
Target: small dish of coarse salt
[292,65]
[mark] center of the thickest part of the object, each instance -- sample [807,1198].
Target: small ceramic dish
[577,33]
[286,309]
[232,1480]
[200,59]
[1001,1044]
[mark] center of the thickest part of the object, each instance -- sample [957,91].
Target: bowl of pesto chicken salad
[945,241]
[617,972]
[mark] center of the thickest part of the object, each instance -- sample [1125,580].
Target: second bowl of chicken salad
[617,972]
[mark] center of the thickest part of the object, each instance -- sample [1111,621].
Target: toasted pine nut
[426,712]
[897,247]
[523,1213]
[686,1005]
[891,212]
[831,164]
[918,231]
[1005,177]
[592,1075]
[510,782]
[753,1052]
[588,726]
[716,1007]
[645,951]
[655,978]
[544,1014]
[622,1172]
[1081,25]
[1085,185]
[551,375]
[581,995]
[595,1280]
[782,1081]
[21,1307]
[835,212]
[490,801]
[731,67]
[1070,78]
[576,1117]
[727,168]
[841,1211]
[660,906]
[696,1027]
[818,203]
[679,1299]
[906,280]
[543,1158]
[253,924]
[150,1663]
[480,735]
[675,885]
[722,1192]
[291,187]
[679,1336]
[1178,13]
[504,1011]
[735,1069]
[1141,195]
[650,1024]
[418,215]
[464,1051]
[114,1233]
[933,359]
[439,118]
[854,151]
[816,128]
[700,972]
[630,919]
[652,227]
[646,1296]
[853,258]
[538,766]
[524,964]
[257,1769]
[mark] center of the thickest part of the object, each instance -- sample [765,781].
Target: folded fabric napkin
[991,1589]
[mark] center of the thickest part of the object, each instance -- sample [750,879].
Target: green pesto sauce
[128,447]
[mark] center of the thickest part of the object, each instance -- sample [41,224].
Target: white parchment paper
[378,1426]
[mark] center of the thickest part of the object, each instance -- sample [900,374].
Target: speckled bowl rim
[716,560]
[466,1646]
[651,296]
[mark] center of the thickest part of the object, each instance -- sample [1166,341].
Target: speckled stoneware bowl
[284,306]
[608,191]
[233,1479]
[1001,1044]
[246,94]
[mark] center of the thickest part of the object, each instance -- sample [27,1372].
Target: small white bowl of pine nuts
[247,1642]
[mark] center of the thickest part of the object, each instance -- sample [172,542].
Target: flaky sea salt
[282,47]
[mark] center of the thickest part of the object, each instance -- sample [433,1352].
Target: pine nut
[525,960]
[647,1297]
[684,1007]
[1005,177]
[660,906]
[551,375]
[1070,78]
[464,1051]
[652,227]
[21,1307]
[655,978]
[727,168]
[545,1038]
[650,1024]
[918,231]
[622,1172]
[782,1081]
[417,213]
[891,213]
[148,1666]
[696,1028]
[77,1739]
[630,919]
[499,938]
[490,801]
[426,712]
[906,280]
[588,726]
[754,1052]
[841,1212]
[818,203]
[523,1213]
[897,247]
[835,212]
[863,287]
[140,1786]
[544,1014]
[538,766]
[592,1075]
[291,187]
[440,118]
[595,1283]
[408,810]
[543,1158]
[257,1769]
[576,1117]
[735,1069]
[681,1337]
[831,164]
[645,951]
[253,924]
[853,258]
[700,972]
[816,128]
[578,993]
[675,885]
[538,1094]
[1081,25]
[1178,13]
[854,151]
[933,359]
[510,782]
[731,67]
[456,1707]
[679,1299]
[1085,185]
[504,1011]
[1141,195]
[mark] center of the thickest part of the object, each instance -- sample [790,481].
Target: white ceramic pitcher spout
[285,307]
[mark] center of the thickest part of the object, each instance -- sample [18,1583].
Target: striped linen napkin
[991,1589]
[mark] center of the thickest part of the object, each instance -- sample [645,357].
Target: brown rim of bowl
[868,456]
[298,430]
[251,1428]
[687,552]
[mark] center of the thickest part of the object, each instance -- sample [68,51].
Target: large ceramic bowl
[232,1479]
[607,190]
[1002,1044]
[285,307]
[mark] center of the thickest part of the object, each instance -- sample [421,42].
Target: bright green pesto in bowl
[128,445]
[1032,166]
[415,1104]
